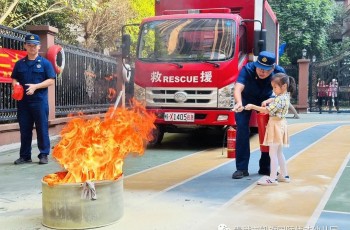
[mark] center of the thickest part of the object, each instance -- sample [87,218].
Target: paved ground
[191,188]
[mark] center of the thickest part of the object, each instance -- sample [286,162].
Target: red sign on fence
[8,58]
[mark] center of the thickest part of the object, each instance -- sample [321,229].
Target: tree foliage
[18,13]
[61,14]
[305,24]
[336,31]
[63,22]
[102,27]
[142,9]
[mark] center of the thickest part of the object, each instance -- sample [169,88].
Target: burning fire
[95,149]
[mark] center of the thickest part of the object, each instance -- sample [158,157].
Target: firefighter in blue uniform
[253,86]
[35,74]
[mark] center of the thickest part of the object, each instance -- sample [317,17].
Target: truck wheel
[158,135]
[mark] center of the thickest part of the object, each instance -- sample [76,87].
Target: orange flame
[95,149]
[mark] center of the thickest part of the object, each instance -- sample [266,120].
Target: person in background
[35,74]
[333,95]
[321,94]
[253,86]
[276,135]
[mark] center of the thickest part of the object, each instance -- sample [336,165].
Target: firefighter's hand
[248,107]
[30,89]
[238,107]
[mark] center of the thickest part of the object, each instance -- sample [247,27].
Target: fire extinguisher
[231,142]
[262,119]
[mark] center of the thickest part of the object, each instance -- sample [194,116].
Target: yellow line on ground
[290,204]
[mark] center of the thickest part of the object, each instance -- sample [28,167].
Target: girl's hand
[266,102]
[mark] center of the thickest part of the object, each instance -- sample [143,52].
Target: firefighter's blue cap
[266,60]
[32,39]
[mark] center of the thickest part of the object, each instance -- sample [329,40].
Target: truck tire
[158,135]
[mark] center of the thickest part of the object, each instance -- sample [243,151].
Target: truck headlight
[140,94]
[226,99]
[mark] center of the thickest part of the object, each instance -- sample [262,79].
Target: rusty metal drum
[63,207]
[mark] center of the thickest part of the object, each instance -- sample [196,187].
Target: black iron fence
[11,38]
[86,85]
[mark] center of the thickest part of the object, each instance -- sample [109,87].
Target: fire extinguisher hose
[223,141]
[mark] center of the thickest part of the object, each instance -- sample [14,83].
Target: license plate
[185,117]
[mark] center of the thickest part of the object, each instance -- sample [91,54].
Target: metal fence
[86,85]
[8,107]
[11,38]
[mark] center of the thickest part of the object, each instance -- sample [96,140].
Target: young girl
[276,135]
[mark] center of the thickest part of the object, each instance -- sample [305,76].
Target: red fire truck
[189,56]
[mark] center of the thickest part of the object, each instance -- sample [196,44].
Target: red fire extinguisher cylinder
[262,119]
[231,142]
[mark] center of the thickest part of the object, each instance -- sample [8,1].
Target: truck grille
[182,97]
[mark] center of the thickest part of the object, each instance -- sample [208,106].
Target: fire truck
[189,55]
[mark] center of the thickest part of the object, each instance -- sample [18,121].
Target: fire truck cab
[189,56]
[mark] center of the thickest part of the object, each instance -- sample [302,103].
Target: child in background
[333,95]
[321,94]
[276,135]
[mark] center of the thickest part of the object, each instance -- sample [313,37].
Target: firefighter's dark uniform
[33,109]
[255,91]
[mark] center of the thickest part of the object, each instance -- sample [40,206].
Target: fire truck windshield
[187,40]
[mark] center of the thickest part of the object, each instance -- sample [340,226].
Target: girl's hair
[282,78]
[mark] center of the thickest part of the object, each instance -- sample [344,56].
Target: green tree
[61,14]
[63,21]
[95,22]
[141,9]
[338,43]
[102,27]
[304,24]
[18,13]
